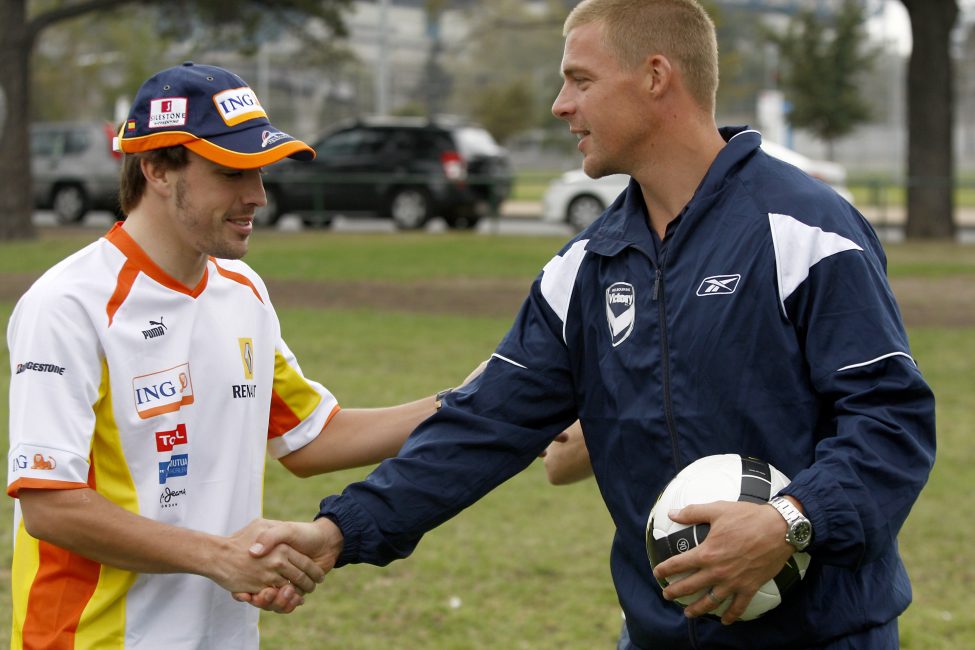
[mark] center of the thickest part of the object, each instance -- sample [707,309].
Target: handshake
[273,564]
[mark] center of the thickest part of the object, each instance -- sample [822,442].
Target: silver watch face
[801,533]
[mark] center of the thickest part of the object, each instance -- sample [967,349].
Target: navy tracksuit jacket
[762,325]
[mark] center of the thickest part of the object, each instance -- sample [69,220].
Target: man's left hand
[744,549]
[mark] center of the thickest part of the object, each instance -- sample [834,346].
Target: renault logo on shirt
[247,356]
[620,311]
[164,391]
[718,285]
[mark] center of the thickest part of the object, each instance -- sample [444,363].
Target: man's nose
[255,194]
[562,107]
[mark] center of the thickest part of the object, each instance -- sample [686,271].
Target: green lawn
[527,567]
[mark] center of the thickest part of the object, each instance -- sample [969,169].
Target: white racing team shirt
[165,400]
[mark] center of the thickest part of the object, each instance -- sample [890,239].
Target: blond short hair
[679,29]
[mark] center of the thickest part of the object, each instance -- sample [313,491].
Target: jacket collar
[626,223]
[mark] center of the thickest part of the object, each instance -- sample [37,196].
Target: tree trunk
[16,203]
[930,105]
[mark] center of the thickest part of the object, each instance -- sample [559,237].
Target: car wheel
[583,210]
[463,222]
[69,203]
[270,213]
[409,208]
[311,221]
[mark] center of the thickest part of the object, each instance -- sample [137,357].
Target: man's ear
[659,74]
[158,177]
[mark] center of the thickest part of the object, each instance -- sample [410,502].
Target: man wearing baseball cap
[149,380]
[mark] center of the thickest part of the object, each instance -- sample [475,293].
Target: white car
[578,200]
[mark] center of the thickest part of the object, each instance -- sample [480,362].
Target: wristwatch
[800,531]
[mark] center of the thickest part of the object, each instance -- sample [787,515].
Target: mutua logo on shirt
[177,465]
[165,391]
[620,311]
[719,285]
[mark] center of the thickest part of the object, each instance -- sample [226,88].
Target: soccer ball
[724,477]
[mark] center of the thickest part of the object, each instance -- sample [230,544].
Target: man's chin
[594,169]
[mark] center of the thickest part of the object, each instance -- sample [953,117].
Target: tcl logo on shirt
[165,391]
[166,440]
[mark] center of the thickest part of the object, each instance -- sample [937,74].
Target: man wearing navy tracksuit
[725,303]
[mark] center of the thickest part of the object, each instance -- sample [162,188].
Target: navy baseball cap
[210,111]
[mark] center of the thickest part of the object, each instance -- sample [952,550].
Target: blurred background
[829,79]
[882,90]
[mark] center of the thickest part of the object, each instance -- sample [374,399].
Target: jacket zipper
[658,297]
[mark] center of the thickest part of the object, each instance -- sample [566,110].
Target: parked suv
[406,169]
[74,169]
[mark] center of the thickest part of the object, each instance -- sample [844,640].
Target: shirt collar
[626,222]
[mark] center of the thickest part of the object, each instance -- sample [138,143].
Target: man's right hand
[321,540]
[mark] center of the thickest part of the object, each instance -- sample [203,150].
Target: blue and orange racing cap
[210,111]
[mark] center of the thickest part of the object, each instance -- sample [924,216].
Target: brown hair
[132,182]
[679,29]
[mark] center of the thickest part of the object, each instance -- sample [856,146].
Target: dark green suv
[406,169]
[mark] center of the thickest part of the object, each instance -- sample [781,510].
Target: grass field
[527,567]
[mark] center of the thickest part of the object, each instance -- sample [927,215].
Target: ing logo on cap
[238,105]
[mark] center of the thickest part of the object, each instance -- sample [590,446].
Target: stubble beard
[208,239]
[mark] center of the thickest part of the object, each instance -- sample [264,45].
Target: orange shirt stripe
[282,419]
[64,584]
[126,278]
[142,262]
[236,277]
[14,488]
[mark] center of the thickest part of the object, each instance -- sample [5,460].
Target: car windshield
[353,142]
[45,143]
[476,142]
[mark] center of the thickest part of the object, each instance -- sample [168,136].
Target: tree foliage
[501,108]
[507,73]
[821,66]
[242,24]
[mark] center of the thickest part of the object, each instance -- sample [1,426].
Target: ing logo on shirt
[165,391]
[247,356]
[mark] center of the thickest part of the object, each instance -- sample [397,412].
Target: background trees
[218,22]
[823,65]
[499,66]
[930,120]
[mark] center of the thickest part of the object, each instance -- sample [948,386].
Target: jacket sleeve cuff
[343,513]
[838,535]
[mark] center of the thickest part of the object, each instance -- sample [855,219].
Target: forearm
[358,437]
[130,542]
[120,538]
[567,457]
[866,479]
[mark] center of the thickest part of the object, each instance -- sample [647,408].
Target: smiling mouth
[242,221]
